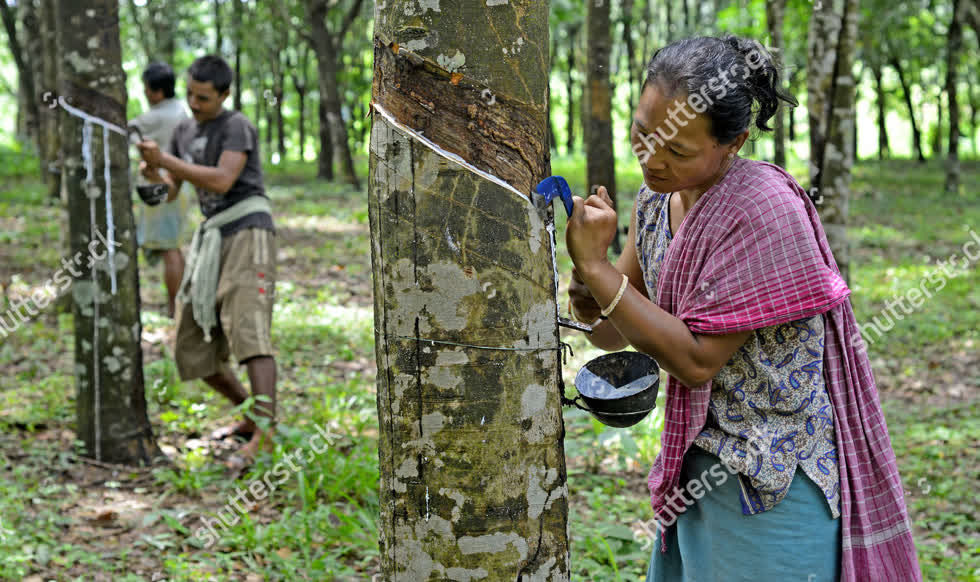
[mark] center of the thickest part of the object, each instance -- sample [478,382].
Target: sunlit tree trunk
[775,11]
[472,466]
[600,158]
[955,44]
[111,408]
[830,103]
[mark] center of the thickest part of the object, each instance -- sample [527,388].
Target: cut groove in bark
[495,133]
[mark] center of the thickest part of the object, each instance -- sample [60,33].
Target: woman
[728,281]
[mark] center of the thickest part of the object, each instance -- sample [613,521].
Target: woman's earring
[731,155]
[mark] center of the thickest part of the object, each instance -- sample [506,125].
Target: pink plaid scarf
[752,253]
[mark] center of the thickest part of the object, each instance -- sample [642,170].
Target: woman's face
[674,145]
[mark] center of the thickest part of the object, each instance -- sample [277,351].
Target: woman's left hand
[590,230]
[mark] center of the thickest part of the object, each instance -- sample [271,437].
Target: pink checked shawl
[752,253]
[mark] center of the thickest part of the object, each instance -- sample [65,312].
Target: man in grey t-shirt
[218,152]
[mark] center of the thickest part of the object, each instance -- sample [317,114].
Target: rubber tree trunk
[907,92]
[775,12]
[236,33]
[325,159]
[830,99]
[570,88]
[472,464]
[327,47]
[298,75]
[627,8]
[27,111]
[48,116]
[218,39]
[600,158]
[883,149]
[954,45]
[111,408]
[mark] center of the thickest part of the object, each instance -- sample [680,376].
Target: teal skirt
[796,540]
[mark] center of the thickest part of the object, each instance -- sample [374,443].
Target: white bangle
[619,295]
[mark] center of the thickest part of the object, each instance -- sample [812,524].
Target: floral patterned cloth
[769,411]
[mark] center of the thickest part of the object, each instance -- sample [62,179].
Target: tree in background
[157,24]
[465,317]
[600,157]
[327,41]
[775,13]
[955,45]
[830,104]
[111,405]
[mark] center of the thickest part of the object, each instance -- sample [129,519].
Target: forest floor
[65,518]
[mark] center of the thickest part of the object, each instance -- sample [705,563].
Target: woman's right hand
[583,306]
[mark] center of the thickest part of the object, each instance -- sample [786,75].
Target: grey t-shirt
[203,144]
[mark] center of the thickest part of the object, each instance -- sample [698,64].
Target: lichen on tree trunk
[472,463]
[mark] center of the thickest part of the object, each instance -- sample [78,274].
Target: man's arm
[217,179]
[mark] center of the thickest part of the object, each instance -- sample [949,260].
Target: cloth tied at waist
[200,283]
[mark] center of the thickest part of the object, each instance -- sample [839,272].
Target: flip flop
[227,431]
[238,464]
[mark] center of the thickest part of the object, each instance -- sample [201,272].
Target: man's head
[158,82]
[208,80]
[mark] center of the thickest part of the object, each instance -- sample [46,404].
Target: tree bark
[111,408]
[954,46]
[830,89]
[465,312]
[775,12]
[600,158]
[907,92]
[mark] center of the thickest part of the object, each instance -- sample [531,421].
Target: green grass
[320,523]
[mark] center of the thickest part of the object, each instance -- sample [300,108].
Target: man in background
[160,227]
[225,304]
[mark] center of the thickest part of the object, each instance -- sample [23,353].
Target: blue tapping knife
[556,187]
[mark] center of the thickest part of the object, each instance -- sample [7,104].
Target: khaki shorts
[246,290]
